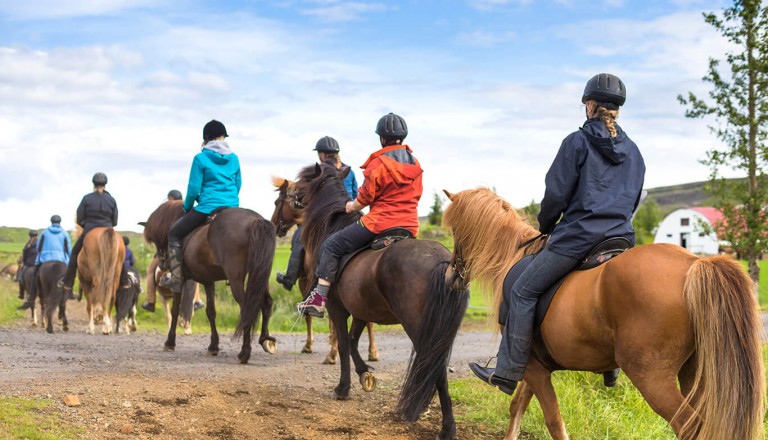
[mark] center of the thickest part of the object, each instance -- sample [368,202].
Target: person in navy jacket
[214,183]
[592,188]
[54,244]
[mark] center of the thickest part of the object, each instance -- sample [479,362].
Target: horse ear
[318,171]
[448,194]
[278,181]
[142,223]
[344,172]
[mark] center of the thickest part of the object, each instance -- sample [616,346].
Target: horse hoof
[269,346]
[49,331]
[368,381]
[168,348]
[307,349]
[187,332]
[337,396]
[66,329]
[373,357]
[329,360]
[213,352]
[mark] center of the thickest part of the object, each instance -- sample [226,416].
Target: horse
[25,282]
[126,298]
[9,270]
[186,310]
[52,296]
[657,311]
[235,243]
[403,283]
[98,269]
[288,213]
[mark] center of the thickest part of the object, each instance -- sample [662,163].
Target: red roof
[712,214]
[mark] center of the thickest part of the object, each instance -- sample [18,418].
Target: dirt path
[130,388]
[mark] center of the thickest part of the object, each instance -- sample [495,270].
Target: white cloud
[485,38]
[339,11]
[53,9]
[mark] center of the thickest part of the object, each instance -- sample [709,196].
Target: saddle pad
[381,241]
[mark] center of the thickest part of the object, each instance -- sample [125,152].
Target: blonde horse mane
[491,233]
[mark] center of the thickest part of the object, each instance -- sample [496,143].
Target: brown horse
[237,243]
[288,213]
[657,311]
[9,270]
[51,296]
[98,269]
[403,283]
[25,282]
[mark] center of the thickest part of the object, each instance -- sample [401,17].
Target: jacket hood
[613,149]
[401,172]
[55,229]
[218,152]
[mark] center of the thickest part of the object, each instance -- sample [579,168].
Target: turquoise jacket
[53,245]
[214,180]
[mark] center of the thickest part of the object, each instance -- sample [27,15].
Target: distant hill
[685,195]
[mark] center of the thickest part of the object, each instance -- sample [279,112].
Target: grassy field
[34,419]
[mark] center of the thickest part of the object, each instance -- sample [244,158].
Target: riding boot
[32,290]
[172,279]
[611,377]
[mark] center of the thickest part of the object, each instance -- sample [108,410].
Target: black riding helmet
[327,144]
[392,126]
[174,194]
[33,233]
[607,89]
[55,219]
[99,179]
[214,129]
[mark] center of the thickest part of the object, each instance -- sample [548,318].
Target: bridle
[294,203]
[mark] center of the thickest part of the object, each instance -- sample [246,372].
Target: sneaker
[287,284]
[199,305]
[150,307]
[314,305]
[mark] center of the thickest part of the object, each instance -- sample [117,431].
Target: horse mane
[160,221]
[490,232]
[324,197]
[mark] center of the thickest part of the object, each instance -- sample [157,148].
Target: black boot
[172,279]
[611,377]
[150,307]
[488,375]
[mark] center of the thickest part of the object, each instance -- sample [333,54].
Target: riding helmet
[605,88]
[33,232]
[99,179]
[214,129]
[392,126]
[174,194]
[327,144]
[55,219]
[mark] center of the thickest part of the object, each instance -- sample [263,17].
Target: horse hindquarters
[728,386]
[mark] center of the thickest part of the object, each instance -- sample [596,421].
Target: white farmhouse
[683,228]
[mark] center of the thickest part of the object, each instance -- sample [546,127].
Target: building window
[685,222]
[669,235]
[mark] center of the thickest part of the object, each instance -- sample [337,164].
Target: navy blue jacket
[594,183]
[97,209]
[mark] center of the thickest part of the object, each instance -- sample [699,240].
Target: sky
[488,88]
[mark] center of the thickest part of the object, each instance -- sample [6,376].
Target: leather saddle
[381,241]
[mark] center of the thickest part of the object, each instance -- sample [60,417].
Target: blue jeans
[545,270]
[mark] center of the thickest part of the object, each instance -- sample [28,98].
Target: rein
[295,204]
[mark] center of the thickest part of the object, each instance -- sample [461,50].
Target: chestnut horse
[237,243]
[403,283]
[288,213]
[657,311]
[98,269]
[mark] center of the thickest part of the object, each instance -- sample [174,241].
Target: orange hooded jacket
[391,189]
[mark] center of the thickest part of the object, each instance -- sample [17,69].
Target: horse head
[288,206]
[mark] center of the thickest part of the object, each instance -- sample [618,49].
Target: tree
[740,107]
[646,221]
[436,211]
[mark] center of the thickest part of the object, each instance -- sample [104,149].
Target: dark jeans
[297,256]
[69,275]
[340,243]
[545,270]
[183,226]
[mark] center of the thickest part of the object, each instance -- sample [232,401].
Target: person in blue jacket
[592,188]
[54,244]
[214,183]
[327,151]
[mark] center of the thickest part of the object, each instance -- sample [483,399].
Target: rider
[595,184]
[391,188]
[327,151]
[54,245]
[214,183]
[28,256]
[97,209]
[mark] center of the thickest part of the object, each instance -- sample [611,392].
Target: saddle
[600,254]
[381,241]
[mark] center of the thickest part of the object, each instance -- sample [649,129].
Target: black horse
[52,297]
[402,283]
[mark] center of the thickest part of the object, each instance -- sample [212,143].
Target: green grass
[34,419]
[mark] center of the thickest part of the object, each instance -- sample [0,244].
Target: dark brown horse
[51,296]
[25,282]
[98,269]
[236,243]
[403,283]
[657,311]
[288,213]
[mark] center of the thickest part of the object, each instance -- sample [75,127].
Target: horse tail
[105,267]
[443,311]
[261,252]
[729,382]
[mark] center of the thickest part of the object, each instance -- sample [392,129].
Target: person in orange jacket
[392,189]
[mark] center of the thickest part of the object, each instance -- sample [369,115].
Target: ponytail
[609,119]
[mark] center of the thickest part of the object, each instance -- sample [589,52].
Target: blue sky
[489,88]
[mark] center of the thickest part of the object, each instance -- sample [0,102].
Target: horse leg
[448,428]
[267,342]
[333,341]
[517,409]
[659,388]
[170,342]
[63,313]
[540,381]
[367,379]
[210,312]
[339,320]
[310,336]
[373,353]
[91,330]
